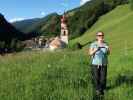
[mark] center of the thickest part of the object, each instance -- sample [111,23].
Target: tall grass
[44,76]
[61,76]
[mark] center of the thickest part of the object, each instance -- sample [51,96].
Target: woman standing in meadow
[99,51]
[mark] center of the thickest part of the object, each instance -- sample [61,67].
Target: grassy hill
[117,26]
[66,75]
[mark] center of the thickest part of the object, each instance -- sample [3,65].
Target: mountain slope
[49,25]
[79,19]
[10,37]
[117,26]
[25,24]
[8,32]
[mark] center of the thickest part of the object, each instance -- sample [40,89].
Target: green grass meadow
[61,76]
[41,76]
[66,74]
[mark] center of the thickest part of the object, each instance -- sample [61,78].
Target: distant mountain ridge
[79,19]
[8,31]
[43,25]
[25,23]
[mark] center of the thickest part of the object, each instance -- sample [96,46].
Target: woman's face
[100,36]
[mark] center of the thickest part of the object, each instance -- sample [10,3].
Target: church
[62,40]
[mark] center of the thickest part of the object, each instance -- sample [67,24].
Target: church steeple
[64,29]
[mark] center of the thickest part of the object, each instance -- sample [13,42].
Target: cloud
[43,13]
[16,19]
[83,1]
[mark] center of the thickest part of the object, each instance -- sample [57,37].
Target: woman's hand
[92,51]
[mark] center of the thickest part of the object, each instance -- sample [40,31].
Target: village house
[52,43]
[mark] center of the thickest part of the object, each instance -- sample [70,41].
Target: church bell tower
[64,29]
